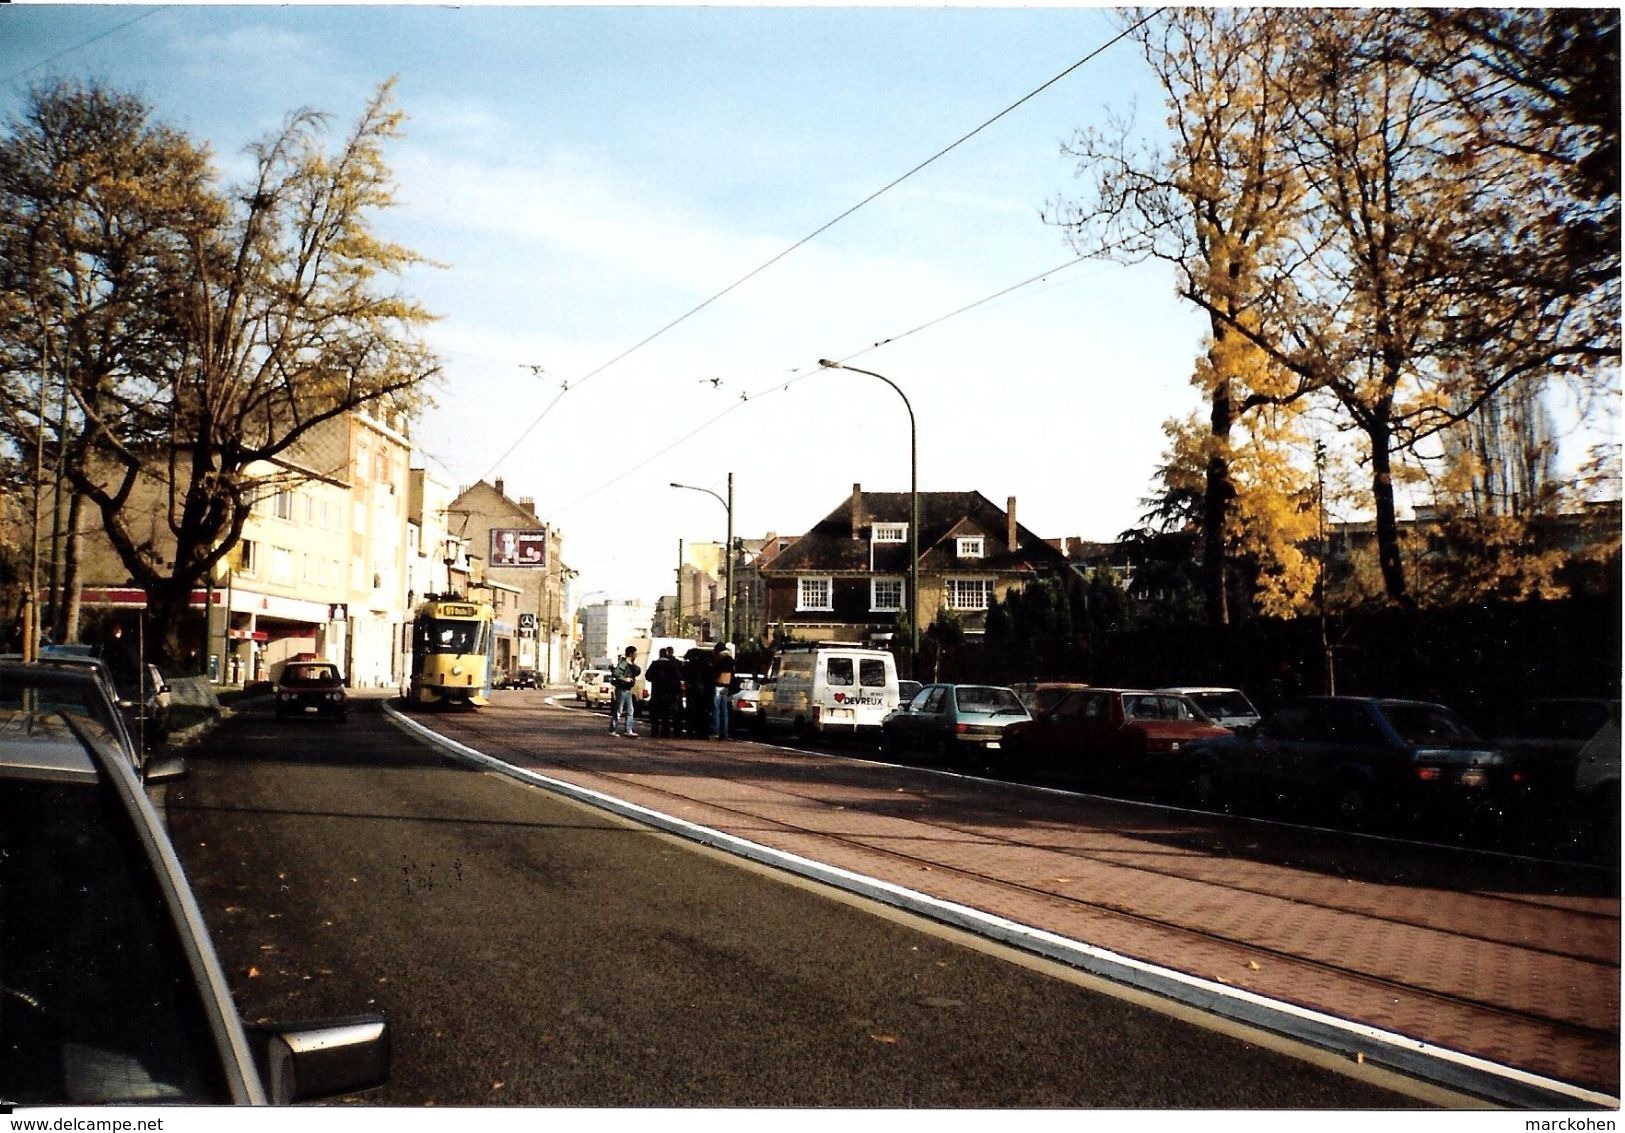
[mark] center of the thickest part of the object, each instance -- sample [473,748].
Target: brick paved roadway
[1511,961]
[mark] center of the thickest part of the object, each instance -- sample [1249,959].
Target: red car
[1112,736]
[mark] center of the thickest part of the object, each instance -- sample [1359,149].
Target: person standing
[722,679]
[623,677]
[665,692]
[697,679]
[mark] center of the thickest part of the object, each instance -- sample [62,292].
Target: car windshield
[1228,703]
[310,676]
[97,1001]
[42,690]
[1428,724]
[981,698]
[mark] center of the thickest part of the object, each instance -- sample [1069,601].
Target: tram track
[1600,927]
[499,742]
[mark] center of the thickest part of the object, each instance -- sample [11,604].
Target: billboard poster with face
[513,547]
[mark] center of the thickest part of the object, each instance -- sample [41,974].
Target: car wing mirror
[169,769]
[306,1061]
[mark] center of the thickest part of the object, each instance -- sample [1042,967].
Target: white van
[829,688]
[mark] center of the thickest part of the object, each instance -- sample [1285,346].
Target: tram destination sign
[516,547]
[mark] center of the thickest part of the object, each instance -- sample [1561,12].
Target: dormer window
[972,547]
[890,533]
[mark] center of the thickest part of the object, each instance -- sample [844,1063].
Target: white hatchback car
[1227,707]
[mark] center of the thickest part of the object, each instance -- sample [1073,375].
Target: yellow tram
[452,643]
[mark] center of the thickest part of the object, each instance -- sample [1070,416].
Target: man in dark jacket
[666,693]
[697,680]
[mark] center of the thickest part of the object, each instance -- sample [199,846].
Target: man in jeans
[623,676]
[722,674]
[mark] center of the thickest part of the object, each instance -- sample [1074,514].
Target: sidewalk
[1482,973]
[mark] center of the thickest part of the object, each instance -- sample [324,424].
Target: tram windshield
[454,635]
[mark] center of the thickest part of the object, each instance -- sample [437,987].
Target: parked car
[311,686]
[110,990]
[524,678]
[78,684]
[1596,785]
[952,720]
[829,688]
[595,689]
[744,701]
[1545,737]
[1114,737]
[1041,696]
[1359,759]
[152,709]
[1226,707]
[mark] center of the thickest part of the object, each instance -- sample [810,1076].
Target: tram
[452,643]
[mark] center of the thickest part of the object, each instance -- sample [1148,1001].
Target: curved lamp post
[727,551]
[914,513]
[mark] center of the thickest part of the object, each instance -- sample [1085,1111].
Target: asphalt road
[531,952]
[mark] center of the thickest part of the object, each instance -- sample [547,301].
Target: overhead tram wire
[777,387]
[15,75]
[821,229]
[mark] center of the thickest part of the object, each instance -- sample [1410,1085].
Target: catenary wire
[15,75]
[801,375]
[892,184]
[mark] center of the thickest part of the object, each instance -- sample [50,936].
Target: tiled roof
[830,546]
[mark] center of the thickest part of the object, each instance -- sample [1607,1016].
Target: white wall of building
[609,627]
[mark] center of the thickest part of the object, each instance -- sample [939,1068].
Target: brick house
[846,579]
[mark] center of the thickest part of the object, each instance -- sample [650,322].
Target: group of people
[687,697]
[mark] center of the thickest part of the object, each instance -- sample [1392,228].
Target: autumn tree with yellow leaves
[1398,216]
[200,334]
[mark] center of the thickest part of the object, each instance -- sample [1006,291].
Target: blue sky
[588,175]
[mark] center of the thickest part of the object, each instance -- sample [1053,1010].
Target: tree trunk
[1382,491]
[1216,506]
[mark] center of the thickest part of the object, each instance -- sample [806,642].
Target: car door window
[872,673]
[918,703]
[839,672]
[935,698]
[1290,723]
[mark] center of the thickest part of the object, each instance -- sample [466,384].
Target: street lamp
[914,512]
[728,551]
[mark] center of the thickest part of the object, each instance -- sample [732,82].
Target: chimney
[857,511]
[1010,524]
[498,487]
[529,504]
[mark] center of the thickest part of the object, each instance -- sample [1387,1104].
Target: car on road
[953,720]
[745,702]
[1227,707]
[110,990]
[594,689]
[1113,737]
[311,686]
[523,678]
[1360,760]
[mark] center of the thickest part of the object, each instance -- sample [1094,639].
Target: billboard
[516,547]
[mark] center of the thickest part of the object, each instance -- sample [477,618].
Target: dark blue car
[1358,758]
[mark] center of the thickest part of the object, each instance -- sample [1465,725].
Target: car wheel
[1352,803]
[1207,789]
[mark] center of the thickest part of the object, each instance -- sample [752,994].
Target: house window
[247,557]
[891,533]
[282,565]
[972,547]
[282,504]
[814,594]
[886,595]
[969,593]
